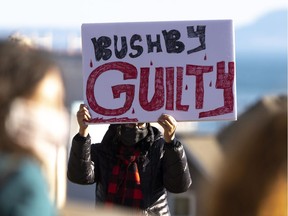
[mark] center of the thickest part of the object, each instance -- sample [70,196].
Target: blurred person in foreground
[134,166]
[253,178]
[33,126]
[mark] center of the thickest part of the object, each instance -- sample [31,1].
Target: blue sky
[71,14]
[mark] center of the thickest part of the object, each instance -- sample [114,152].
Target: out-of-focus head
[22,73]
[253,177]
[29,81]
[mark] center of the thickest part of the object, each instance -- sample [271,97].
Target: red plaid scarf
[124,186]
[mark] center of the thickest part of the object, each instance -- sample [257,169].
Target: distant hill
[267,34]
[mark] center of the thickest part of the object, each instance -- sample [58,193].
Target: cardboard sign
[134,72]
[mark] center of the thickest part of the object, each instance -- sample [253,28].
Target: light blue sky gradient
[71,14]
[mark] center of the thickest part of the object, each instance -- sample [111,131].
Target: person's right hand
[83,116]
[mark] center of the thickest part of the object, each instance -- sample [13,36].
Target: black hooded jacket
[162,166]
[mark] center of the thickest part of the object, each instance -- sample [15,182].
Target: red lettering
[157,100]
[224,81]
[170,88]
[179,106]
[198,71]
[129,72]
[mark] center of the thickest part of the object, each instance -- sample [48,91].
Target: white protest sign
[134,72]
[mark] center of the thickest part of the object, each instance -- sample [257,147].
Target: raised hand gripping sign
[134,72]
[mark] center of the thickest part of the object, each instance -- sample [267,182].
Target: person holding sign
[134,165]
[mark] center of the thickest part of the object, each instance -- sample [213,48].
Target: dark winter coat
[162,166]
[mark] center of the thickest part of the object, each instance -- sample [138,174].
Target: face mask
[44,131]
[131,136]
[32,125]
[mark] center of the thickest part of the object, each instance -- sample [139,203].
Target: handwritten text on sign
[134,72]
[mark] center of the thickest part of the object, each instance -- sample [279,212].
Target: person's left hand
[169,125]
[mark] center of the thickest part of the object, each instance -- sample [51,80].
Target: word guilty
[168,81]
